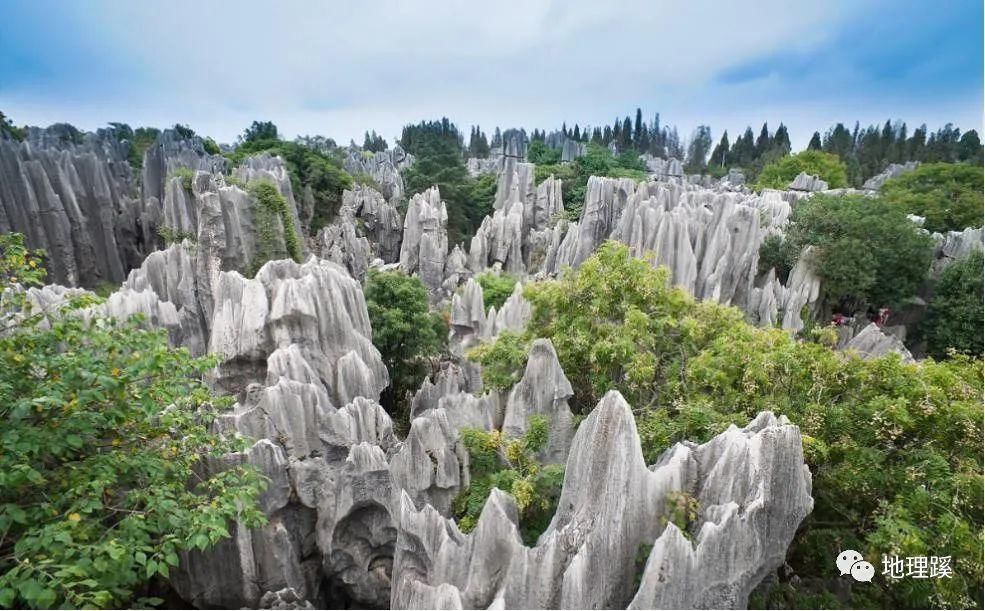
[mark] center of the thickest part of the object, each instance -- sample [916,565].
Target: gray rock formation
[425,239]
[383,167]
[367,228]
[76,198]
[663,168]
[751,485]
[543,390]
[805,182]
[954,246]
[871,342]
[893,170]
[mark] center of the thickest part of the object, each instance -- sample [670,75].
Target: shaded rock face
[425,239]
[751,484]
[954,246]
[367,228]
[77,201]
[384,168]
[663,168]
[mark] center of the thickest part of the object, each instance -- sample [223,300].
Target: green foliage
[779,174]
[184,131]
[9,130]
[187,176]
[512,466]
[895,450]
[170,235]
[307,168]
[865,249]
[538,152]
[366,180]
[777,253]
[955,314]
[105,428]
[143,139]
[496,288]
[597,161]
[271,218]
[948,195]
[406,333]
[18,263]
[437,147]
[210,146]
[502,360]
[260,130]
[682,511]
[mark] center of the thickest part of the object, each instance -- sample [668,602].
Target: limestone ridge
[752,487]
[76,200]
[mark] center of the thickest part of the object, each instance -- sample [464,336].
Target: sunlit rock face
[383,167]
[425,239]
[752,486]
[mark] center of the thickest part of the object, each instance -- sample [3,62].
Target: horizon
[336,71]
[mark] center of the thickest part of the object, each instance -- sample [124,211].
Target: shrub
[955,313]
[170,235]
[270,211]
[510,465]
[947,195]
[211,147]
[496,289]
[828,166]
[776,253]
[538,152]
[104,430]
[186,175]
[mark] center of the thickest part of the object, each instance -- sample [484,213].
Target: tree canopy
[955,313]
[405,332]
[947,195]
[864,249]
[780,173]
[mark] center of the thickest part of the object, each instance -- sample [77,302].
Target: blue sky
[338,69]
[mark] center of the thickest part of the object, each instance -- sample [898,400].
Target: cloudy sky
[340,68]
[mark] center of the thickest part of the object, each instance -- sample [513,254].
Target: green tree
[779,174]
[895,450]
[105,432]
[260,130]
[437,147]
[496,289]
[955,315]
[538,152]
[865,250]
[405,332]
[947,195]
[815,143]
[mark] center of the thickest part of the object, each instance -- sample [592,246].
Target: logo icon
[851,563]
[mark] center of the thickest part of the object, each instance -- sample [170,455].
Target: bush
[510,465]
[947,195]
[828,166]
[955,313]
[778,254]
[865,249]
[895,450]
[103,426]
[538,152]
[211,147]
[405,332]
[187,177]
[270,211]
[496,289]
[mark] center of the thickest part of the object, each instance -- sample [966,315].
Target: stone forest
[593,367]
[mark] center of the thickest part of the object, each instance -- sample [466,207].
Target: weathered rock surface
[806,182]
[76,200]
[384,168]
[752,486]
[893,170]
[871,342]
[425,239]
[544,391]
